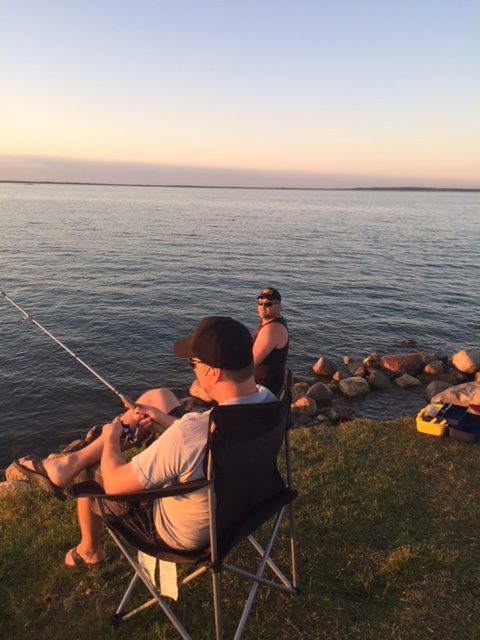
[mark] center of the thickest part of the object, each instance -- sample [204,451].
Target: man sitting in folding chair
[220,353]
[206,484]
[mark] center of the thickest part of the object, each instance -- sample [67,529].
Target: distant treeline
[213,186]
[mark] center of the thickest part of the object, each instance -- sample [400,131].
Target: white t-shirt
[177,456]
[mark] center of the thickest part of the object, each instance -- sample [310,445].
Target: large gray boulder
[462,394]
[407,381]
[467,360]
[354,387]
[321,393]
[435,387]
[399,364]
[378,380]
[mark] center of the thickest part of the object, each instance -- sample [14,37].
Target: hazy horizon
[309,95]
[38,169]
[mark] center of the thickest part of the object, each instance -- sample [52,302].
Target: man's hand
[136,425]
[117,474]
[113,430]
[159,420]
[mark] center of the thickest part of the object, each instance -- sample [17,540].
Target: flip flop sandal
[39,476]
[79,562]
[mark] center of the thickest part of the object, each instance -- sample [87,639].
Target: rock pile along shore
[453,379]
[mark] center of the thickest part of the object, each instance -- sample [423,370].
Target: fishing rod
[26,316]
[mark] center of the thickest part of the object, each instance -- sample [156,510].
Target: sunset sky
[241,92]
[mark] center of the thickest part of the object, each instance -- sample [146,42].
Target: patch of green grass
[389,546]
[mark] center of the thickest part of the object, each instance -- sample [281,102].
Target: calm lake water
[118,273]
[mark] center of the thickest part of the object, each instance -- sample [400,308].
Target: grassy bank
[389,525]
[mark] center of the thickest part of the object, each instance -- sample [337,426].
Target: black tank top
[271,372]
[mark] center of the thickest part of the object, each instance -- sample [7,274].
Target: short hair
[238,375]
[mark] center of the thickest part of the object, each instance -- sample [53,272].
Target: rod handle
[127,402]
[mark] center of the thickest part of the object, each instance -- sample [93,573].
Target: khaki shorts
[137,518]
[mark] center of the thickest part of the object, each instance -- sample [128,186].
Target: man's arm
[117,474]
[272,336]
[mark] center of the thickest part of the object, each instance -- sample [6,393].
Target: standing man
[270,341]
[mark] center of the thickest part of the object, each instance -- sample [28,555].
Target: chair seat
[225,543]
[170,555]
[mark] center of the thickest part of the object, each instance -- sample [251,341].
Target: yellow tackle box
[429,422]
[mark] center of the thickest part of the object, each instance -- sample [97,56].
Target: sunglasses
[193,363]
[265,303]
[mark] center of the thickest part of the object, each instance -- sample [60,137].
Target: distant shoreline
[213,186]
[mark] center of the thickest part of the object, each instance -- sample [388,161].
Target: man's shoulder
[191,422]
[277,330]
[280,322]
[274,327]
[189,430]
[194,417]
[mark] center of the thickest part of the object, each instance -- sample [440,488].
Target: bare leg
[63,470]
[161,398]
[157,403]
[89,548]
[90,523]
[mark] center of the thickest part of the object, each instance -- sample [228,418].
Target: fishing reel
[129,435]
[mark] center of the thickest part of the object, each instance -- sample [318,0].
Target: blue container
[452,413]
[467,429]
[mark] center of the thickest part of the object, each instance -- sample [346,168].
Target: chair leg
[217,604]
[127,595]
[293,547]
[273,566]
[139,571]
[261,569]
[293,582]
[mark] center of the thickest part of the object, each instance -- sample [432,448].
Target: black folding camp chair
[245,490]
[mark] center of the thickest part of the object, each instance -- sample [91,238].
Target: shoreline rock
[462,394]
[445,379]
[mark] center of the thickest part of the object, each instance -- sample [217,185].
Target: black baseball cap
[220,342]
[270,294]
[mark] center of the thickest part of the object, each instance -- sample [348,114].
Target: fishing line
[125,400]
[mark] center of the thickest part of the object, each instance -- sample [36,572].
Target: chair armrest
[92,489]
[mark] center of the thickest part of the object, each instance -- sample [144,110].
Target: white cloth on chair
[167,574]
